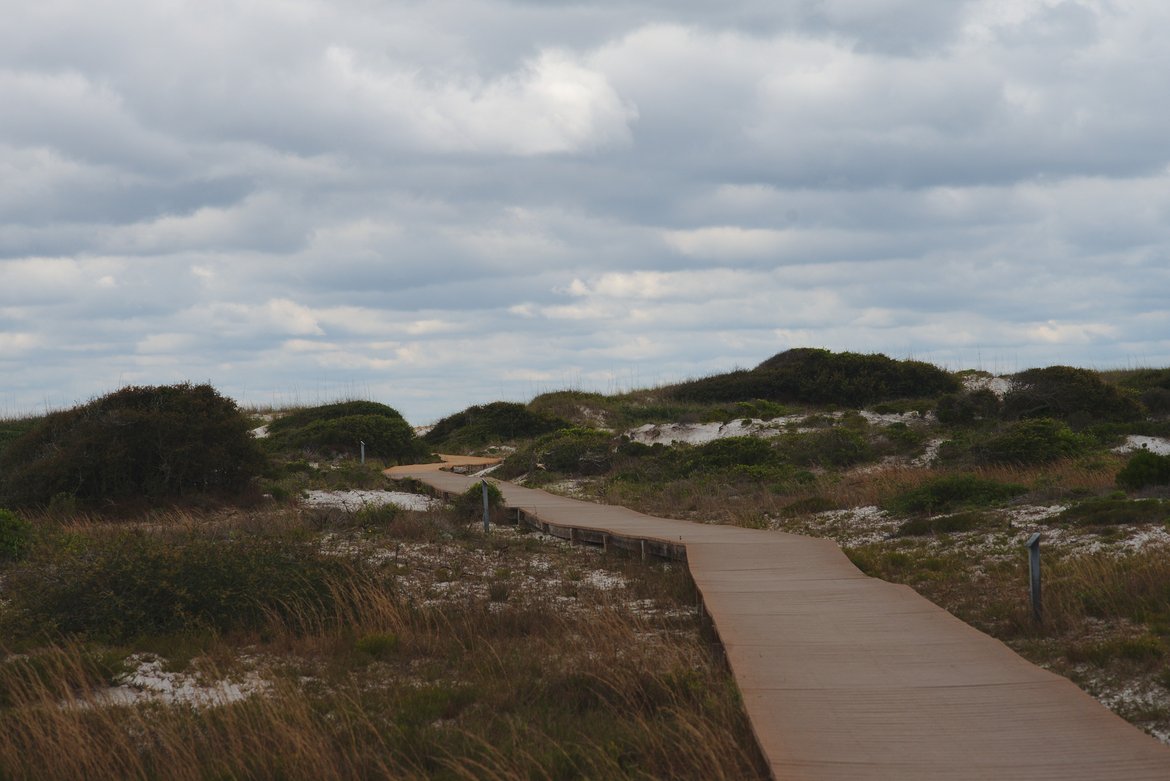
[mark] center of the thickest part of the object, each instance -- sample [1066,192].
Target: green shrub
[813,376]
[13,429]
[731,451]
[342,409]
[966,409]
[385,437]
[499,421]
[761,409]
[951,493]
[1144,469]
[1077,396]
[117,586]
[1157,401]
[1113,511]
[810,505]
[574,451]
[469,504]
[903,438]
[1038,441]
[161,441]
[945,524]
[15,536]
[834,447]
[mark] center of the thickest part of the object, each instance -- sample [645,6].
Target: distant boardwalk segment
[846,677]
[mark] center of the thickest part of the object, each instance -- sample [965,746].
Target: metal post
[483,484]
[1034,573]
[363,452]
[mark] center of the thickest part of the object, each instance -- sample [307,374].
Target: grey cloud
[446,203]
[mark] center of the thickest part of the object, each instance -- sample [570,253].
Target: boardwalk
[847,677]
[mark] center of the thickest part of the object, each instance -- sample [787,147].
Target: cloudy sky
[440,203]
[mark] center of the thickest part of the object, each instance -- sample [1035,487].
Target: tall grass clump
[1134,587]
[121,584]
[363,681]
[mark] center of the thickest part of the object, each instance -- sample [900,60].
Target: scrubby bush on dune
[833,447]
[1038,441]
[1116,511]
[951,493]
[341,409]
[499,421]
[342,427]
[575,451]
[1157,401]
[1144,469]
[1078,396]
[162,441]
[468,506]
[969,408]
[813,376]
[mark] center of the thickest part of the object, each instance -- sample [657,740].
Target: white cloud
[450,203]
[553,104]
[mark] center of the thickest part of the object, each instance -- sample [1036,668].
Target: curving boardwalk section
[847,677]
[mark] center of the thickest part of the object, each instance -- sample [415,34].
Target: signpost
[483,484]
[1033,546]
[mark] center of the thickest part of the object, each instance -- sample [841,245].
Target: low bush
[951,493]
[342,409]
[469,504]
[833,447]
[1144,469]
[967,409]
[497,422]
[730,451]
[117,586]
[571,451]
[809,505]
[813,376]
[386,436]
[15,536]
[945,524]
[1038,441]
[1077,396]
[1114,511]
[761,409]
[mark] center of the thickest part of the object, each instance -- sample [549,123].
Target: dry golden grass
[389,687]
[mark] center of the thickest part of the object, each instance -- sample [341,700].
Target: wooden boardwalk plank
[847,677]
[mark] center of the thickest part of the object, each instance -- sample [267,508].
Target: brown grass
[392,688]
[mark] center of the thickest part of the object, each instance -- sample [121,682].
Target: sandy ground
[1159,445]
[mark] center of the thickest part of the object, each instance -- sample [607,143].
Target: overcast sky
[435,204]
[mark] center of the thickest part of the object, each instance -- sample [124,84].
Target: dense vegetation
[494,423]
[811,376]
[377,644]
[339,429]
[925,477]
[158,442]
